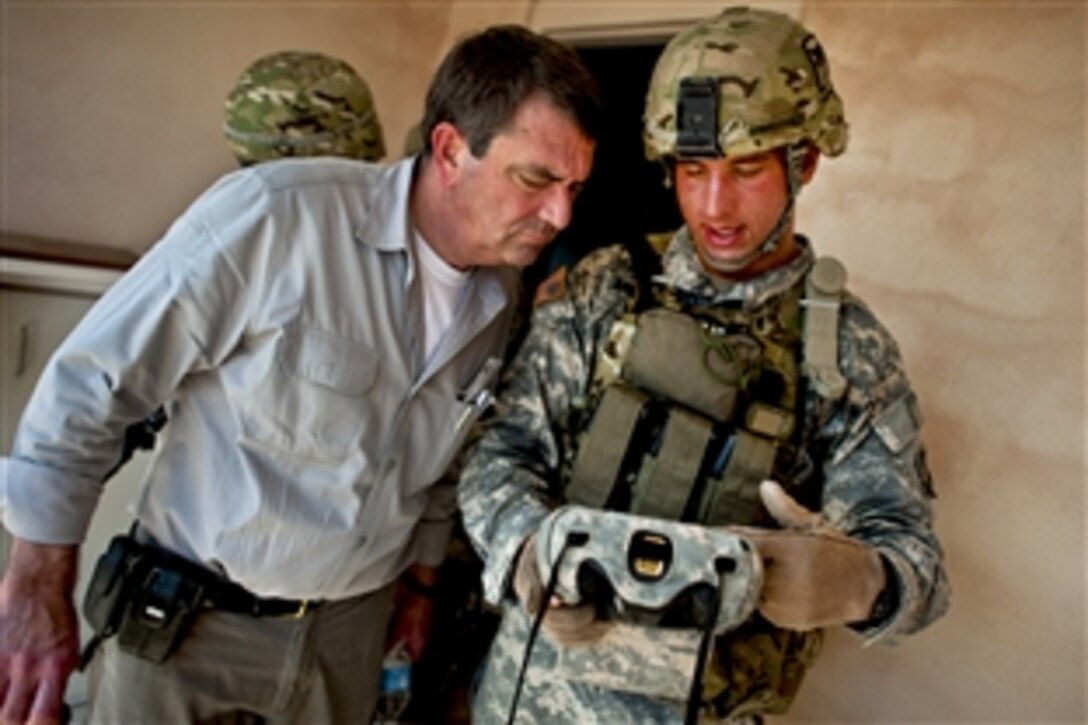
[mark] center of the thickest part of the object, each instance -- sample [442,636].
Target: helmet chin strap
[795,154]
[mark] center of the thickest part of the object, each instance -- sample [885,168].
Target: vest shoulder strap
[824,288]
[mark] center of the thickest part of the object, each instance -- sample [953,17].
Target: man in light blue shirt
[316,393]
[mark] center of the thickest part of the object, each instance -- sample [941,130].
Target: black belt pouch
[147,597]
[160,614]
[115,577]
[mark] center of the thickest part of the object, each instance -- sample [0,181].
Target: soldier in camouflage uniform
[769,403]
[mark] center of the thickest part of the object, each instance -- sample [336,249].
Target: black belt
[220,593]
[232,597]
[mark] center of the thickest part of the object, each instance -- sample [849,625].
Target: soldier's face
[730,206]
[514,200]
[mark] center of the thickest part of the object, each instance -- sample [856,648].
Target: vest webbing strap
[601,454]
[736,497]
[823,296]
[665,482]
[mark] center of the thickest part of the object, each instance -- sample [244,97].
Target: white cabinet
[40,302]
[33,324]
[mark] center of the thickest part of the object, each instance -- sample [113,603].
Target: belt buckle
[303,608]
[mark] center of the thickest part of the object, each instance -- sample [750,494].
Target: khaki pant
[233,668]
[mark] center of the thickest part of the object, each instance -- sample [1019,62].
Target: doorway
[624,199]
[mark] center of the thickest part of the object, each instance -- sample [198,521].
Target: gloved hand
[567,626]
[813,575]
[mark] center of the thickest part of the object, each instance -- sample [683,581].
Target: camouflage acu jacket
[876,485]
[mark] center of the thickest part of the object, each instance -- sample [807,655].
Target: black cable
[695,695]
[574,538]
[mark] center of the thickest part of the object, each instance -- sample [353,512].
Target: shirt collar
[386,224]
[683,270]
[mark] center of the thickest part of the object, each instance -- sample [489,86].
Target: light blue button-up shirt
[277,320]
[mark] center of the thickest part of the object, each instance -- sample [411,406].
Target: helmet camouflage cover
[301,104]
[771,80]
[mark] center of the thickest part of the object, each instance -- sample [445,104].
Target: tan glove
[814,576]
[567,626]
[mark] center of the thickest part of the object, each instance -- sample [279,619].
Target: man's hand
[39,631]
[413,610]
[567,626]
[813,576]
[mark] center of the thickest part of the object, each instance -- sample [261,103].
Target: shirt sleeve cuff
[890,616]
[503,555]
[45,505]
[887,601]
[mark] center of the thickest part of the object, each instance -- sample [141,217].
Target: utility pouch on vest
[758,668]
[735,498]
[666,480]
[673,356]
[163,607]
[602,453]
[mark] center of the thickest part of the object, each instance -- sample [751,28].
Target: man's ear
[448,150]
[809,163]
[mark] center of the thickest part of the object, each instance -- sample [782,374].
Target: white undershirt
[440,288]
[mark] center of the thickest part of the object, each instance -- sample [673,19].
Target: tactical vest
[698,405]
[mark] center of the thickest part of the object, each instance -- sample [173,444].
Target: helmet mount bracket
[697,118]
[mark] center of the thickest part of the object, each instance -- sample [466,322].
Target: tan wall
[959,209]
[114,111]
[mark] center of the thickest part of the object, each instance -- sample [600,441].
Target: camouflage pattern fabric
[773,79]
[301,104]
[546,696]
[413,140]
[865,447]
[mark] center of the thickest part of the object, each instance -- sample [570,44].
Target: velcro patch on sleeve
[899,423]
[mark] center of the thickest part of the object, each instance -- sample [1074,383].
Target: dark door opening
[624,199]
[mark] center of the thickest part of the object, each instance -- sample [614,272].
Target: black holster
[146,596]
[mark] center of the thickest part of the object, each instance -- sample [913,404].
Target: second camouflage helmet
[301,104]
[752,79]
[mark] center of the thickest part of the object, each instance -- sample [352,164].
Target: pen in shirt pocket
[477,395]
[475,406]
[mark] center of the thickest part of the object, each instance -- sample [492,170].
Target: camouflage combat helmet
[413,140]
[301,104]
[766,75]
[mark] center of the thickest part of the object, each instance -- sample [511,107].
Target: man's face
[513,201]
[731,205]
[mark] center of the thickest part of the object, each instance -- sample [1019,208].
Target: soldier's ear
[809,163]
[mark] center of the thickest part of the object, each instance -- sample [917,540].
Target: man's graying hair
[486,77]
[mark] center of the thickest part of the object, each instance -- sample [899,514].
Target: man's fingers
[569,619]
[48,703]
[575,626]
[787,512]
[17,701]
[527,583]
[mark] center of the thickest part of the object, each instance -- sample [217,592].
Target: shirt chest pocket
[310,401]
[339,365]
